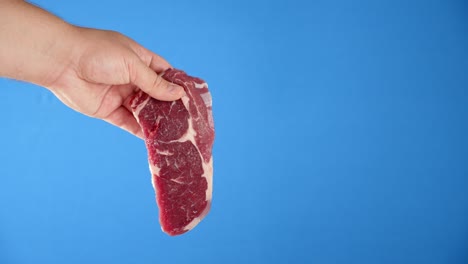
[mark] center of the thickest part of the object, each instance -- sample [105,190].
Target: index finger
[151,59]
[158,63]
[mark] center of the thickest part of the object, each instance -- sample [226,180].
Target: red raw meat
[179,137]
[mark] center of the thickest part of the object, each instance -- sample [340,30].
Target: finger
[151,59]
[113,98]
[124,119]
[156,62]
[153,84]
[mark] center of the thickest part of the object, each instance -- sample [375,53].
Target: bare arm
[92,71]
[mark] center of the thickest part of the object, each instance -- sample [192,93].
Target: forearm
[34,44]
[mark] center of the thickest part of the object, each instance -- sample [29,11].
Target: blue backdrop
[341,138]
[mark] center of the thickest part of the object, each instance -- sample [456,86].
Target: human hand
[92,71]
[104,69]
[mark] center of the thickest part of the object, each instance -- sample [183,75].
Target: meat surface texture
[179,137]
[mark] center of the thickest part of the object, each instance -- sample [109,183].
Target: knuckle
[159,85]
[133,71]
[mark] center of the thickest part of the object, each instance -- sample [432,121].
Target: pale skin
[92,71]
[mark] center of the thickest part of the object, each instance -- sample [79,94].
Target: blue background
[341,138]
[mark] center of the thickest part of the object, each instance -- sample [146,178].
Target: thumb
[153,84]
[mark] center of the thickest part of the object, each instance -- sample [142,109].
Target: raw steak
[179,136]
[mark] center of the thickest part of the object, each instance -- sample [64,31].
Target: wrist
[35,45]
[62,56]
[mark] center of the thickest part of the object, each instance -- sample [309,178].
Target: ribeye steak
[179,137]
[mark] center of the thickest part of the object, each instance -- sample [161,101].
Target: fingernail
[176,90]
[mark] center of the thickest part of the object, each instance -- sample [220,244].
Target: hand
[92,71]
[104,70]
